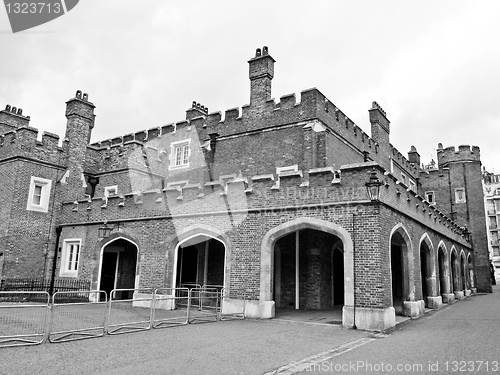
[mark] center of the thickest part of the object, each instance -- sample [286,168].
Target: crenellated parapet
[24,142]
[451,155]
[324,189]
[405,163]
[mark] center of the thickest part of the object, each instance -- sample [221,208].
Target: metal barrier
[130,310]
[204,305]
[23,318]
[74,317]
[171,307]
[30,318]
[231,309]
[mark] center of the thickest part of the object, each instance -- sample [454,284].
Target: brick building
[270,201]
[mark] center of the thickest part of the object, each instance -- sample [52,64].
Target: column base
[435,303]
[414,309]
[448,298]
[459,294]
[249,309]
[468,292]
[369,319]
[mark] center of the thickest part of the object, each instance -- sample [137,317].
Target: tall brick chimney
[414,156]
[380,125]
[80,115]
[12,118]
[261,74]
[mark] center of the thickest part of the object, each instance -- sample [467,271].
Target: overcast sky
[433,66]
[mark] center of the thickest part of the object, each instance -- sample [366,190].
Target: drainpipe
[54,260]
[354,268]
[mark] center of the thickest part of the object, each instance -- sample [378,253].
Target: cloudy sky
[432,65]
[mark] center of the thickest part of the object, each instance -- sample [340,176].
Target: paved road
[465,331]
[462,338]
[227,347]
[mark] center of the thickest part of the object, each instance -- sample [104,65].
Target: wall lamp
[373,186]
[106,230]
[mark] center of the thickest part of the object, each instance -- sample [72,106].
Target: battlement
[323,188]
[313,105]
[24,142]
[464,153]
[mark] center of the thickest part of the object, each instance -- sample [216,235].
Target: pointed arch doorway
[200,261]
[118,267]
[308,271]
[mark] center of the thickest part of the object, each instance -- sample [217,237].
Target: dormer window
[180,152]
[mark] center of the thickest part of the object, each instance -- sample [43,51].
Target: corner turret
[465,153]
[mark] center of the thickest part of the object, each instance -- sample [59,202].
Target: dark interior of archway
[321,271]
[454,275]
[397,277]
[201,264]
[424,272]
[118,268]
[442,279]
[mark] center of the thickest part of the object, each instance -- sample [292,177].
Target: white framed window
[497,206]
[70,257]
[403,178]
[110,191]
[413,185]
[180,153]
[39,194]
[460,195]
[430,197]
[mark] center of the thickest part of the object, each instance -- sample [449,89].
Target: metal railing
[171,307]
[72,319]
[31,318]
[23,318]
[131,313]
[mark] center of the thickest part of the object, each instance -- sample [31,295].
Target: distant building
[491,184]
[284,204]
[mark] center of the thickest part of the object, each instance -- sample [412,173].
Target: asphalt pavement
[466,330]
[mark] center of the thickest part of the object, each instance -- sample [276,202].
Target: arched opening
[308,271]
[443,272]
[425,272]
[118,267]
[463,272]
[200,262]
[471,271]
[454,272]
[399,272]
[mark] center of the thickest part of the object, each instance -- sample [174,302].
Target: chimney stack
[261,74]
